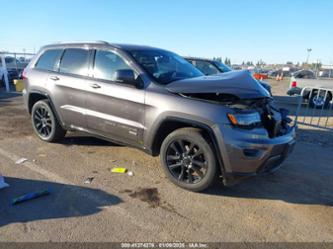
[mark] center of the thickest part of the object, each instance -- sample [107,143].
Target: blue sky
[274,31]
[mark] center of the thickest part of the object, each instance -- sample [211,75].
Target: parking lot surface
[293,204]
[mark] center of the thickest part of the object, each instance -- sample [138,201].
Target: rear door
[70,86]
[114,110]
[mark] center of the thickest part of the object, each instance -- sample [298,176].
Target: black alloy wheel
[188,159]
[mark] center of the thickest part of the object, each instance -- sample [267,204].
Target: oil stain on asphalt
[149,195]
[152,197]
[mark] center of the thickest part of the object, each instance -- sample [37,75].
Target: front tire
[45,123]
[188,159]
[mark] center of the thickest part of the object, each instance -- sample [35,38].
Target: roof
[127,47]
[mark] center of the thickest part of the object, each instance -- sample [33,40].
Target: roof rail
[73,42]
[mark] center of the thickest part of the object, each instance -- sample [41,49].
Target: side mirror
[127,76]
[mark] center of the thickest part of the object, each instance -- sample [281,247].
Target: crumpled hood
[239,83]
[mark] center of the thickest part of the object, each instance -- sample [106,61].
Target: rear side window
[48,59]
[75,61]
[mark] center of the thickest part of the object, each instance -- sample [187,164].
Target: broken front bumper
[251,152]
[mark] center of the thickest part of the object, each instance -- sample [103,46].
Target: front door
[114,110]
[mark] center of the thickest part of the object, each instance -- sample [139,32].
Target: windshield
[165,66]
[224,68]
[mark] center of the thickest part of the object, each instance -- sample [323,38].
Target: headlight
[245,119]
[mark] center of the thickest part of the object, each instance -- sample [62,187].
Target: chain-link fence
[11,67]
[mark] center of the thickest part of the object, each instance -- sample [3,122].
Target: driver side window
[106,64]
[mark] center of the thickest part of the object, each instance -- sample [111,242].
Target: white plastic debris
[2,182]
[21,160]
[130,173]
[89,180]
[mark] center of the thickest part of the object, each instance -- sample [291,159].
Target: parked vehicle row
[201,126]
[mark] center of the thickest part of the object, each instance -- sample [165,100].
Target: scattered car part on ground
[152,99]
[21,160]
[119,170]
[30,196]
[89,180]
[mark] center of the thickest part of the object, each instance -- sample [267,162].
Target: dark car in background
[212,67]
[208,67]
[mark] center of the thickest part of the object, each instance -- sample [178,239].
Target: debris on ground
[125,191]
[21,160]
[3,184]
[30,196]
[119,170]
[130,173]
[95,172]
[113,161]
[88,180]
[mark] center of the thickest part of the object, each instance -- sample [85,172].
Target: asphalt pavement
[294,204]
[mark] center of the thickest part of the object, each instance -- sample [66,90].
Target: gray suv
[201,126]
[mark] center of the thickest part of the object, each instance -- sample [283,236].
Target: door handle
[55,78]
[95,86]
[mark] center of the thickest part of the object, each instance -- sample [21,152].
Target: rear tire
[188,159]
[45,123]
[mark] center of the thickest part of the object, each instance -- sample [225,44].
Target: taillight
[24,75]
[294,84]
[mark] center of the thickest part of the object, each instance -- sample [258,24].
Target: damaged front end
[250,113]
[275,120]
[251,105]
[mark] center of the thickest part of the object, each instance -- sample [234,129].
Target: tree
[227,61]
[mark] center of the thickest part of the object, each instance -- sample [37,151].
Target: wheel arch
[35,96]
[170,124]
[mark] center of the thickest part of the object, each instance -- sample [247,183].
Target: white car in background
[307,78]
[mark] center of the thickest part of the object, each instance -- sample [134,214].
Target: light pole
[307,58]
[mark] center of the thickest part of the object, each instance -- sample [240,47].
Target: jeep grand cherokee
[201,126]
